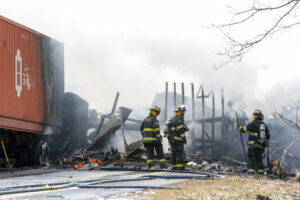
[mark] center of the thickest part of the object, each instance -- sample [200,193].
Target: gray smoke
[126,48]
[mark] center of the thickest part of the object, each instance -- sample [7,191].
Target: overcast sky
[134,47]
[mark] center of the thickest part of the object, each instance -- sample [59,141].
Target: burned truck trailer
[31,90]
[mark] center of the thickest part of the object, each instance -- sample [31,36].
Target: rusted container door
[22,96]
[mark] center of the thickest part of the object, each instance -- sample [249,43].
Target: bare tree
[286,147]
[284,15]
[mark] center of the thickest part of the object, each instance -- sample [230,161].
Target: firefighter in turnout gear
[177,138]
[151,137]
[257,140]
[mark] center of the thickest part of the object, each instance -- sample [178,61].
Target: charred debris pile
[213,143]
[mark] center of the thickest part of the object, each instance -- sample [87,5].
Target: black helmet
[155,109]
[258,113]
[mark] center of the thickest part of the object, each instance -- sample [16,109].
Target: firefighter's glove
[186,129]
[158,140]
[238,127]
[161,138]
[264,143]
[170,139]
[184,141]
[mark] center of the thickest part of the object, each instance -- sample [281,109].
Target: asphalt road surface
[53,177]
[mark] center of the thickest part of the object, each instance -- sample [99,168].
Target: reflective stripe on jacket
[253,128]
[150,129]
[178,129]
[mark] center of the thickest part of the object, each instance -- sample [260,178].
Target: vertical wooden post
[182,92]
[193,115]
[213,122]
[175,96]
[193,101]
[203,119]
[166,102]
[223,120]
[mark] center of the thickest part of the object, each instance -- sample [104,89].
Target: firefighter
[177,138]
[152,139]
[257,140]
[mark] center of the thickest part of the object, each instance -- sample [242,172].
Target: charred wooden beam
[213,118]
[193,112]
[166,102]
[115,104]
[223,119]
[182,93]
[175,96]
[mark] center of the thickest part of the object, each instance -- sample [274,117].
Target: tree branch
[237,49]
[285,151]
[252,12]
[288,121]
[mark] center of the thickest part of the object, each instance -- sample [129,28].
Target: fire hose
[178,177]
[91,183]
[212,175]
[127,186]
[87,185]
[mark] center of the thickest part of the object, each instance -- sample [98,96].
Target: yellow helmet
[181,108]
[258,114]
[155,109]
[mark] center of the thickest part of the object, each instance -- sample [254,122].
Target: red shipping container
[26,80]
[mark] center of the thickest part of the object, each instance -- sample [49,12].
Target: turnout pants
[150,153]
[255,159]
[177,155]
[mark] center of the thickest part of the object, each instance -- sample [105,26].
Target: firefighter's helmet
[258,113]
[181,108]
[156,109]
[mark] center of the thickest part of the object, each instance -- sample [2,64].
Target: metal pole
[166,102]
[174,96]
[182,92]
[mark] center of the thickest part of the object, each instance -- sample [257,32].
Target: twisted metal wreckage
[211,137]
